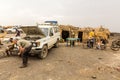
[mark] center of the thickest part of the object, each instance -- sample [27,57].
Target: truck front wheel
[44,52]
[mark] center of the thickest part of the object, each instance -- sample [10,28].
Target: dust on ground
[64,63]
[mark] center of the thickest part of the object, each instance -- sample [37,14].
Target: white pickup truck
[43,37]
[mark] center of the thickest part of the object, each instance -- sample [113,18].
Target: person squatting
[24,49]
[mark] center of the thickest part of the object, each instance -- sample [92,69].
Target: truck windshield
[45,31]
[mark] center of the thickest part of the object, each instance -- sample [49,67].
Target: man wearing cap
[24,49]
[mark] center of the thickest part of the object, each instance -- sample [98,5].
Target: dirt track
[64,63]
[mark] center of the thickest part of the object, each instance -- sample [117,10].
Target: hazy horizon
[79,13]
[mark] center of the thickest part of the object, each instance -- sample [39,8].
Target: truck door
[51,37]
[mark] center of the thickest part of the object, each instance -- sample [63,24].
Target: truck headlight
[38,44]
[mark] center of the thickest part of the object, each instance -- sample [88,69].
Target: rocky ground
[64,63]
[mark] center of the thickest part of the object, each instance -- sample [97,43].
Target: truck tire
[43,53]
[56,45]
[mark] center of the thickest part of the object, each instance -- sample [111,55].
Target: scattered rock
[100,58]
[93,77]
[118,69]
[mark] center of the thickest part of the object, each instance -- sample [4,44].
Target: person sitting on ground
[98,46]
[104,41]
[101,44]
[9,47]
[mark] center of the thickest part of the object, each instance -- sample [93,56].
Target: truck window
[45,31]
[51,32]
[56,29]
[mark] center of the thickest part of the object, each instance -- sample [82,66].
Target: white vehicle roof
[46,25]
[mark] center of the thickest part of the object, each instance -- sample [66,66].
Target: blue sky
[79,13]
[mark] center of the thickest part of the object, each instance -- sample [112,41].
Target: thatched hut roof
[99,31]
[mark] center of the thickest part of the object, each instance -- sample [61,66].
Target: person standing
[17,33]
[24,49]
[92,38]
[72,36]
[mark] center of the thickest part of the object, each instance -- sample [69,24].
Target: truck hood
[32,30]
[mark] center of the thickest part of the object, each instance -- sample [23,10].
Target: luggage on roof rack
[52,22]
